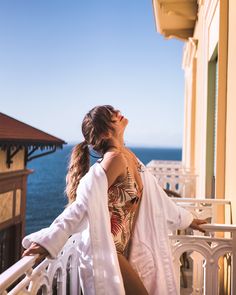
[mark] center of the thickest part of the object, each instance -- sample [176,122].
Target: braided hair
[96,124]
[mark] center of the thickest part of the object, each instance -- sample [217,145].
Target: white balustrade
[211,248]
[60,273]
[172,175]
[165,165]
[203,248]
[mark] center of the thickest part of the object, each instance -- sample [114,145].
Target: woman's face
[119,123]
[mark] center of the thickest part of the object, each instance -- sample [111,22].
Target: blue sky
[58,59]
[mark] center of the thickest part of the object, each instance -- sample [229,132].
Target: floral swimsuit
[123,199]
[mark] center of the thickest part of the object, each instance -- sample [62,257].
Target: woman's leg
[132,283]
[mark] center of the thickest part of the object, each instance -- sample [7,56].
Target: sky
[58,59]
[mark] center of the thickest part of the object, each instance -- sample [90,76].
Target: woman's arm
[73,219]
[49,241]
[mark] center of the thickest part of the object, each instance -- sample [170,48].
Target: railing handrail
[179,173]
[179,162]
[197,200]
[199,238]
[215,227]
[15,271]
[31,275]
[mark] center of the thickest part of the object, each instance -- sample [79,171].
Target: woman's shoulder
[115,166]
[114,158]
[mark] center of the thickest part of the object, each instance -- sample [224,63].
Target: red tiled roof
[16,132]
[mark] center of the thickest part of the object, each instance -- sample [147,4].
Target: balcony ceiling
[175,18]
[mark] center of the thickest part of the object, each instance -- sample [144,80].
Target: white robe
[150,253]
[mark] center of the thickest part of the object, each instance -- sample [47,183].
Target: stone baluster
[198,274]
[211,269]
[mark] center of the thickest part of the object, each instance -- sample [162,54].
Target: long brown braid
[95,126]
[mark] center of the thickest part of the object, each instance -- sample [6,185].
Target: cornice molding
[175,19]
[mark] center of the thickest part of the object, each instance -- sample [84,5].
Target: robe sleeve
[53,238]
[177,216]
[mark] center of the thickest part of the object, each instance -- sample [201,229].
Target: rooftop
[16,133]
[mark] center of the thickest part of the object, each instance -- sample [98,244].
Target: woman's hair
[95,126]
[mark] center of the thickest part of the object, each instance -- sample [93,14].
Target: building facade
[209,64]
[18,143]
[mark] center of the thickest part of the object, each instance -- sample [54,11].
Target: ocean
[45,190]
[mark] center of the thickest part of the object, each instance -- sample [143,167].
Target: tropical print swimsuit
[123,199]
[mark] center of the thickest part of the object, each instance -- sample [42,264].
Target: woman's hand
[35,249]
[196,224]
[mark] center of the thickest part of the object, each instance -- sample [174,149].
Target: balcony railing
[204,251]
[206,265]
[172,175]
[60,276]
[57,276]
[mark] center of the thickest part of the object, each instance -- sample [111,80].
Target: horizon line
[138,146]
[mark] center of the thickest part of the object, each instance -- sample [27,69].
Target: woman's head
[98,127]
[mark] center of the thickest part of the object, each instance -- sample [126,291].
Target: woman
[103,130]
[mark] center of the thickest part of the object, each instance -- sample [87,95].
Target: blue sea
[45,191]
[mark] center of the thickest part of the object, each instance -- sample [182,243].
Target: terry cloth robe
[99,269]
